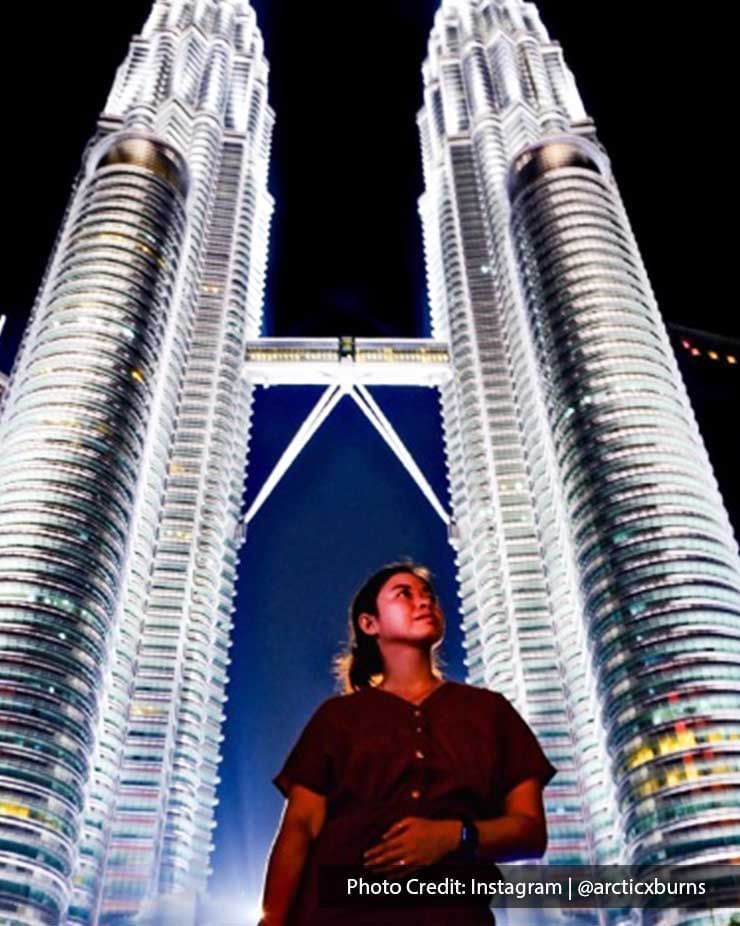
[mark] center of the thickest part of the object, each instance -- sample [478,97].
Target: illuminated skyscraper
[588,518]
[124,442]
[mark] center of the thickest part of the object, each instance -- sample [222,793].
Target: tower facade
[599,574]
[125,430]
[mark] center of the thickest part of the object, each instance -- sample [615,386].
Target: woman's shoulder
[474,693]
[329,707]
[340,706]
[485,702]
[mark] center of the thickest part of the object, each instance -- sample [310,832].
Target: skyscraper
[125,436]
[588,517]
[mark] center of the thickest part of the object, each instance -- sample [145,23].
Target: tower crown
[493,61]
[200,57]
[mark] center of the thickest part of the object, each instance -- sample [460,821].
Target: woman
[403,771]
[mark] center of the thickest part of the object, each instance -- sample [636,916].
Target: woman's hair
[361,664]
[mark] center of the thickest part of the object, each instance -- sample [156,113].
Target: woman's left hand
[413,843]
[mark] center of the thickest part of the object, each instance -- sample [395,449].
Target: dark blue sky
[346,258]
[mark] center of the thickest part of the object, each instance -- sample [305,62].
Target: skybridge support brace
[347,367]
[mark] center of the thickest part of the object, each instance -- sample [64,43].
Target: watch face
[469,837]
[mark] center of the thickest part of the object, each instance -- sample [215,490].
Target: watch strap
[469,838]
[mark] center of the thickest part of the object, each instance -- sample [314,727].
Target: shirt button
[419,754]
[419,730]
[416,794]
[417,713]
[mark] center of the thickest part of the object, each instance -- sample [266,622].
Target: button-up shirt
[378,758]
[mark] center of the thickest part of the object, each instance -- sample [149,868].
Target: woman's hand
[413,843]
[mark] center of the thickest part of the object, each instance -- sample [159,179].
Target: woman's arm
[521,832]
[301,823]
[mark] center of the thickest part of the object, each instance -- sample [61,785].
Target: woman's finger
[387,849]
[392,852]
[397,866]
[399,827]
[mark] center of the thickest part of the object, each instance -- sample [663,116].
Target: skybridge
[347,367]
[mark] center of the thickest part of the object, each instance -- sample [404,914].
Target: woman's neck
[408,671]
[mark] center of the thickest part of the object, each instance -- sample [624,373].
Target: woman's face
[408,611]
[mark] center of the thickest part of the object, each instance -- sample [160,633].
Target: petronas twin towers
[598,572]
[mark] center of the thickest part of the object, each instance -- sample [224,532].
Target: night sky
[346,259]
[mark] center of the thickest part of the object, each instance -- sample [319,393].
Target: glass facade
[599,576]
[73,429]
[125,431]
[656,554]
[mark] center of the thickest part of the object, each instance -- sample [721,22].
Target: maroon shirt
[378,758]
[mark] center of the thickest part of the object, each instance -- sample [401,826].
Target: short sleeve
[310,761]
[522,755]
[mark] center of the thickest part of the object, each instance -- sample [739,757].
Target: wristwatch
[469,839]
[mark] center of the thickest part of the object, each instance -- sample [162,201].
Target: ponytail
[365,663]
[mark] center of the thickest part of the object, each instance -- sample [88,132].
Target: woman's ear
[368,624]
